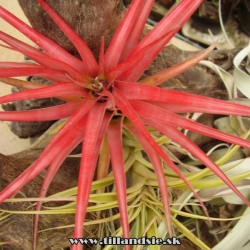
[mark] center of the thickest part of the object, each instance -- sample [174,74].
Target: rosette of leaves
[104,98]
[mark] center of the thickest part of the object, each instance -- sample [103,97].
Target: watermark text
[125,241]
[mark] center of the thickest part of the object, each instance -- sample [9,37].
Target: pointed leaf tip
[89,61]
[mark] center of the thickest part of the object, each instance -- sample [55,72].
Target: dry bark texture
[18,229]
[91,19]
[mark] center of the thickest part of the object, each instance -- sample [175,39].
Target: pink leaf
[87,56]
[42,58]
[43,114]
[131,62]
[165,117]
[55,90]
[77,134]
[19,65]
[74,73]
[114,134]
[101,59]
[177,69]
[155,160]
[20,46]
[22,83]
[170,24]
[132,74]
[34,85]
[50,47]
[186,143]
[208,105]
[132,115]
[116,46]
[50,153]
[54,147]
[35,71]
[90,150]
[137,29]
[175,18]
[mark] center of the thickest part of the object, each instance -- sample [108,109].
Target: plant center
[99,84]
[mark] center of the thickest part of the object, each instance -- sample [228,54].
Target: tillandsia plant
[103,98]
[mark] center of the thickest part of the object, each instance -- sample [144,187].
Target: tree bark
[91,19]
[18,229]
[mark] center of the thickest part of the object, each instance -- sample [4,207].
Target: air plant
[104,98]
